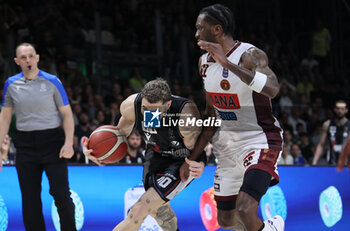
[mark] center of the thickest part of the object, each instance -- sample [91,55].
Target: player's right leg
[227,182]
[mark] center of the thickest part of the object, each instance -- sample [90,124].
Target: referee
[41,106]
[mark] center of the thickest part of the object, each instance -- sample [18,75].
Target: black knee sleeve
[255,183]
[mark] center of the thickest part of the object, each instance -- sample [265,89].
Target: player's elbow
[273,95]
[272,92]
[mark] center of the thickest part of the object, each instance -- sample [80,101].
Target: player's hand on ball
[196,168]
[87,152]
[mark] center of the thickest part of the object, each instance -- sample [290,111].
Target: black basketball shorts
[167,183]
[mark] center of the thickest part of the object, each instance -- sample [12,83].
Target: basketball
[108,144]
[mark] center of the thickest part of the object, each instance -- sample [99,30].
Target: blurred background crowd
[104,51]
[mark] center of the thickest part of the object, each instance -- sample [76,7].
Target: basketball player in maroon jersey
[249,142]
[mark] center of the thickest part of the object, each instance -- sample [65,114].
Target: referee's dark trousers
[38,151]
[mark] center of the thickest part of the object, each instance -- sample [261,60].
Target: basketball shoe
[275,223]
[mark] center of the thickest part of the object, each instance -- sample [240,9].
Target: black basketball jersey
[165,141]
[337,136]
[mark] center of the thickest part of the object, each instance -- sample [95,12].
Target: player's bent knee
[255,183]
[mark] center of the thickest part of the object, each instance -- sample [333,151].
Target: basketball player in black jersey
[335,131]
[173,156]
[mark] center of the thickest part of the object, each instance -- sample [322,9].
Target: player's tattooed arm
[255,60]
[251,61]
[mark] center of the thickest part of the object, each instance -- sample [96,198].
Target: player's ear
[16,60]
[168,104]
[217,30]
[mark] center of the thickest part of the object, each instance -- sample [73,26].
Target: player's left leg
[260,174]
[255,184]
[149,201]
[247,208]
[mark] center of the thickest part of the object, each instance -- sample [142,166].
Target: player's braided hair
[156,90]
[219,14]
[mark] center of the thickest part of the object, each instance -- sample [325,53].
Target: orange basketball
[108,144]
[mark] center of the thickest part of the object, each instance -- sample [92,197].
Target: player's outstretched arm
[253,69]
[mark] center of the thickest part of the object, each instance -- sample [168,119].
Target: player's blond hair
[156,90]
